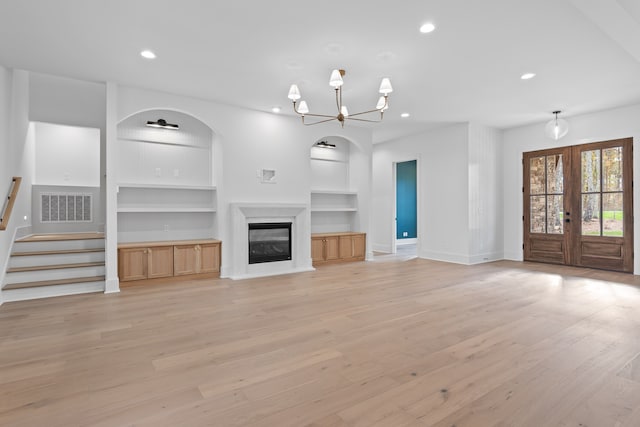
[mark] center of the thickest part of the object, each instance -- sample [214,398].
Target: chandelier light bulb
[385,86]
[303,108]
[294,93]
[335,80]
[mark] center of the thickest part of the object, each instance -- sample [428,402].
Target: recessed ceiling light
[148,54]
[527,76]
[275,109]
[405,115]
[427,28]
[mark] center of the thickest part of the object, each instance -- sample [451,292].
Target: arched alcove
[337,166]
[165,178]
[334,201]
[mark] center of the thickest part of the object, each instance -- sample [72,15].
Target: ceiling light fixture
[148,54]
[336,82]
[427,28]
[405,115]
[162,124]
[275,110]
[556,128]
[527,76]
[325,144]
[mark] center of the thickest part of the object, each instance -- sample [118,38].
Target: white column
[111,217]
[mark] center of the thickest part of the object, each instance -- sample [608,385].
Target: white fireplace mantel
[244,213]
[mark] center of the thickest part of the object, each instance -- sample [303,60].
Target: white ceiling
[586,53]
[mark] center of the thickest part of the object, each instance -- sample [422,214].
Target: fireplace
[269,242]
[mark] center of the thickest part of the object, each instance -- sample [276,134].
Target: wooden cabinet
[153,260]
[145,263]
[337,247]
[196,259]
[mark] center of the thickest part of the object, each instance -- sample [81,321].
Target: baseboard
[112,286]
[381,247]
[445,256]
[513,256]
[412,241]
[21,232]
[488,257]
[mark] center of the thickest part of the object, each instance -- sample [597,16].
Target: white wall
[443,202]
[485,194]
[67,155]
[5,121]
[18,151]
[71,102]
[245,141]
[605,125]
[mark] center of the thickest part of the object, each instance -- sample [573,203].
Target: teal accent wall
[406,200]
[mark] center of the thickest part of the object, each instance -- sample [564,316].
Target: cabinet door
[346,247]
[185,260]
[317,249]
[160,262]
[132,264]
[332,247]
[359,246]
[209,258]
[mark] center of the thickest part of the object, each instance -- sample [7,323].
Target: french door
[578,205]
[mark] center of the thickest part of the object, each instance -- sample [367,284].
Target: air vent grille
[66,207]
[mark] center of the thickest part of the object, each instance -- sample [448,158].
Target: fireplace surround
[243,214]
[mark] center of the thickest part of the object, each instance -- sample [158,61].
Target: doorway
[406,206]
[578,205]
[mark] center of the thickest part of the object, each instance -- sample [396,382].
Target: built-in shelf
[167,209]
[334,209]
[343,192]
[169,186]
[166,198]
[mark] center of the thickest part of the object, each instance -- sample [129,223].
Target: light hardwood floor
[395,342]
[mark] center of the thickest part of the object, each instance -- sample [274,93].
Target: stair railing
[11,200]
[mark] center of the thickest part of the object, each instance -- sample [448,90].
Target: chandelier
[336,82]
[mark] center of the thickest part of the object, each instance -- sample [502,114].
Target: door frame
[608,252]
[394,216]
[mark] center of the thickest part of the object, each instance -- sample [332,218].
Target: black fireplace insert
[269,242]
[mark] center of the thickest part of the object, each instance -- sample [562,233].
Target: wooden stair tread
[54,267]
[52,282]
[60,237]
[62,252]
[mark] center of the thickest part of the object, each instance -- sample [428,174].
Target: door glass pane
[555,211]
[538,214]
[612,169]
[590,171]
[554,174]
[536,175]
[612,214]
[590,214]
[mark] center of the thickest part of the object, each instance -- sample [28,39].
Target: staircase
[48,265]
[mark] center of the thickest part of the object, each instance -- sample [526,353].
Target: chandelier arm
[377,110]
[363,120]
[321,121]
[318,115]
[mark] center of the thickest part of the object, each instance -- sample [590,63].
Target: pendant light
[556,128]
